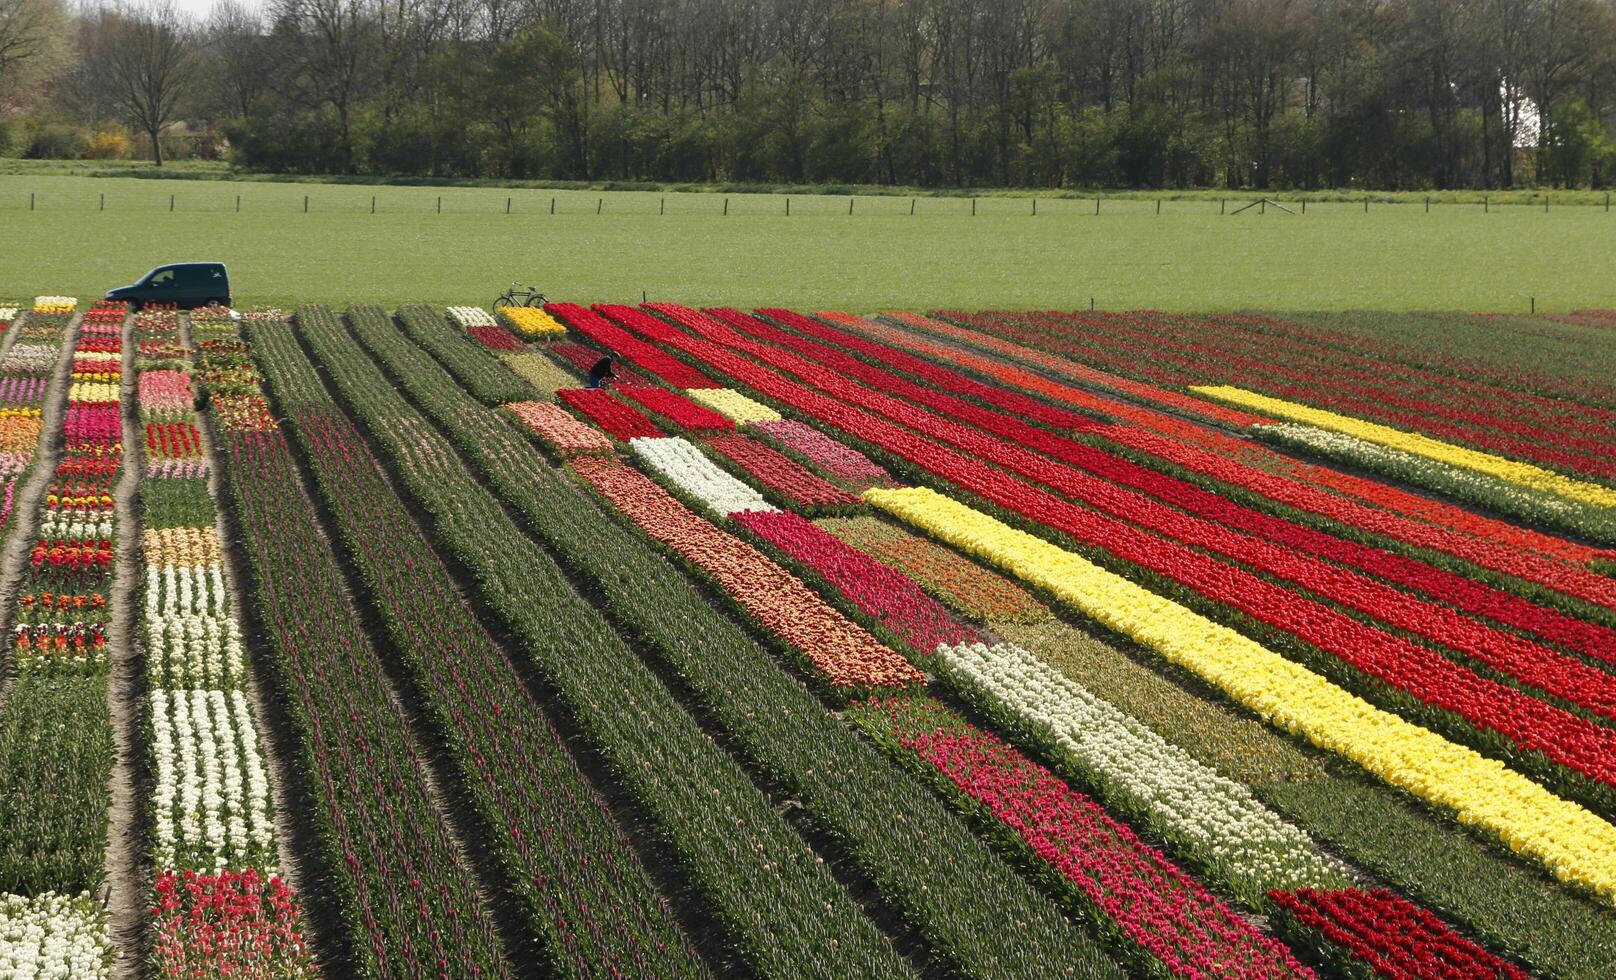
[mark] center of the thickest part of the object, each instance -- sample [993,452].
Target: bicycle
[520,295]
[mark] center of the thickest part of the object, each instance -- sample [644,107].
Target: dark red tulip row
[1571,741]
[495,338]
[883,593]
[678,409]
[609,413]
[1262,541]
[1392,936]
[1152,901]
[804,489]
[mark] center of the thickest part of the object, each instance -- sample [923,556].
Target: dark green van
[186,285]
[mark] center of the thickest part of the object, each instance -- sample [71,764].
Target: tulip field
[369,642]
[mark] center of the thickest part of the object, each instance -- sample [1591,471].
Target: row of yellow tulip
[1514,471]
[1574,844]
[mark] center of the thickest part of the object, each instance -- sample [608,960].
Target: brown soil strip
[129,877]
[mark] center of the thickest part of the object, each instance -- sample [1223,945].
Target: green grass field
[1336,257]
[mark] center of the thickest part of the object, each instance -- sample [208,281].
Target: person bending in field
[601,373]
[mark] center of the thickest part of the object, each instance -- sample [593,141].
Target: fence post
[103,205]
[30,200]
[552,205]
[1262,206]
[1158,205]
[1545,204]
[305,204]
[788,207]
[1035,207]
[1483,204]
[1366,205]
[726,207]
[1427,205]
[1304,205]
[973,207]
[911,207]
[238,204]
[1607,201]
[372,204]
[1096,205]
[1223,207]
[600,202]
[507,205]
[440,203]
[171,202]
[1534,305]
[850,205]
[662,206]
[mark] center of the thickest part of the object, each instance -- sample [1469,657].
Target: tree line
[1304,94]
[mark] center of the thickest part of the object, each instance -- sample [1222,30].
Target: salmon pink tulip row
[558,430]
[846,655]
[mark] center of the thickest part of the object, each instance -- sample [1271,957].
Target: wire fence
[333,199]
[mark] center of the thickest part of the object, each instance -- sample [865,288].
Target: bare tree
[28,31]
[237,48]
[144,60]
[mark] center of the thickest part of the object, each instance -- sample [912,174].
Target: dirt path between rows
[129,877]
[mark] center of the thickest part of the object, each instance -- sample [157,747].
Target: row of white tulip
[1213,820]
[190,651]
[472,316]
[212,806]
[53,937]
[75,523]
[185,590]
[692,472]
[8,313]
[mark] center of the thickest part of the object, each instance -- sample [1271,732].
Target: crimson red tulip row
[1392,936]
[621,420]
[883,593]
[619,341]
[495,338]
[803,489]
[678,409]
[1213,349]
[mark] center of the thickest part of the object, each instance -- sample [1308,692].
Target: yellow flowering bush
[1574,844]
[1524,474]
[732,405]
[531,321]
